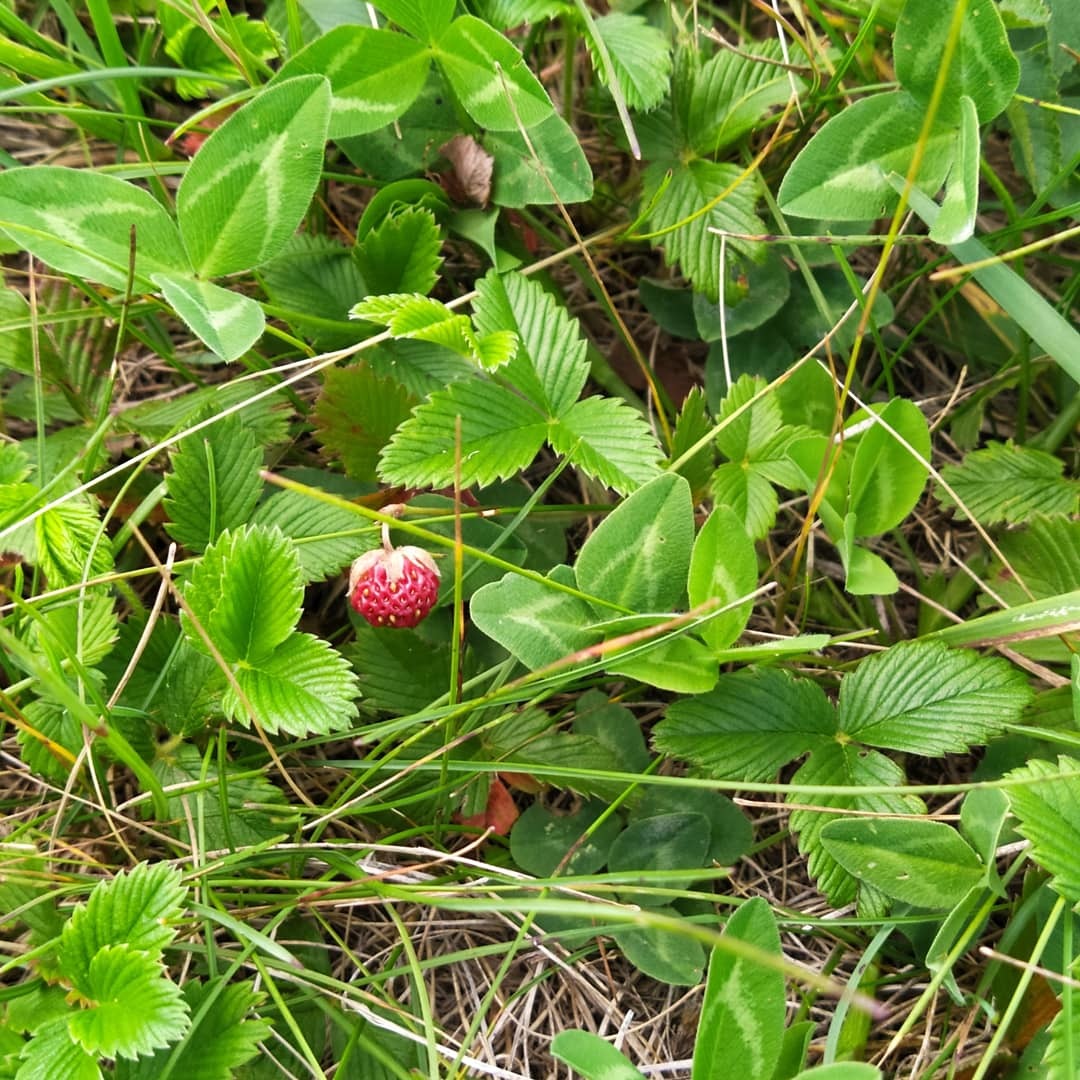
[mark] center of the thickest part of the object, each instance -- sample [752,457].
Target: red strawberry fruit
[394,586]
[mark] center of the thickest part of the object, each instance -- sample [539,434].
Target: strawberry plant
[511,507]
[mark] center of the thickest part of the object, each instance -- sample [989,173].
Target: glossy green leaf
[925,863]
[53,1052]
[748,495]
[741,1029]
[639,555]
[250,184]
[375,75]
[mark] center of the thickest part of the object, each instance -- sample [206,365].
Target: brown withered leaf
[470,181]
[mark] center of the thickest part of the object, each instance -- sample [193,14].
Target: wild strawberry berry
[394,586]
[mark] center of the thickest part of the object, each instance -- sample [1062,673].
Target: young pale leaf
[925,698]
[956,222]
[835,764]
[133,1009]
[214,484]
[246,592]
[551,365]
[490,77]
[732,94]
[227,322]
[401,254]
[69,543]
[535,624]
[723,567]
[1004,482]
[842,172]
[327,537]
[1047,807]
[594,1058]
[52,1052]
[925,863]
[701,195]
[639,556]
[752,724]
[983,66]
[640,57]
[416,317]
[741,1029]
[222,1037]
[550,167]
[84,626]
[356,415]
[663,954]
[134,909]
[742,438]
[303,686]
[250,185]
[691,427]
[607,439]
[81,222]
[500,434]
[886,479]
[375,75]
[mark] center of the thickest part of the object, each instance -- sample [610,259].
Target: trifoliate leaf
[223,1036]
[303,686]
[700,196]
[926,698]
[357,413]
[740,439]
[640,56]
[214,483]
[551,365]
[131,1008]
[1047,807]
[836,764]
[401,254]
[246,593]
[500,435]
[608,440]
[749,726]
[1010,483]
[327,537]
[135,909]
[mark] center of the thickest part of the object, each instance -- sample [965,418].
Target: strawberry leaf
[401,254]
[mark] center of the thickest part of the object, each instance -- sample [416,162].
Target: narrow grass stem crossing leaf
[250,184]
[723,567]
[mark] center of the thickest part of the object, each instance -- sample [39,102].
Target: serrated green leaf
[69,544]
[925,863]
[733,92]
[701,196]
[398,671]
[79,222]
[639,556]
[401,254]
[51,730]
[742,438]
[753,723]
[842,172]
[691,426]
[535,624]
[723,567]
[227,322]
[83,627]
[551,365]
[551,167]
[922,697]
[1045,555]
[741,1029]
[132,1008]
[844,765]
[223,1035]
[133,909]
[420,318]
[214,484]
[1047,808]
[375,75]
[1004,482]
[1062,1049]
[250,184]
[490,77]
[357,413]
[500,435]
[983,66]
[748,494]
[327,537]
[52,1053]
[246,592]
[640,55]
[304,686]
[608,440]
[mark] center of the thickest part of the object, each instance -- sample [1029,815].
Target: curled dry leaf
[470,180]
